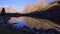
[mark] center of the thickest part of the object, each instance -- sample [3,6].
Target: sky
[18,3]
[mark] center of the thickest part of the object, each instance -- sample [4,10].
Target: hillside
[39,6]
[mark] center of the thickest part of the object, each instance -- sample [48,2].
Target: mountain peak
[39,6]
[11,10]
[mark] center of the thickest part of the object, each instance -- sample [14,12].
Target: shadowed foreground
[26,30]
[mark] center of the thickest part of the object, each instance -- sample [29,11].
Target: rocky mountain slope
[39,6]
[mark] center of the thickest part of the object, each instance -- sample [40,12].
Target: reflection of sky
[18,3]
[19,24]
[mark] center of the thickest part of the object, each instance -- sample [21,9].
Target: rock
[38,6]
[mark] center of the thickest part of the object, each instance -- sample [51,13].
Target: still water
[19,24]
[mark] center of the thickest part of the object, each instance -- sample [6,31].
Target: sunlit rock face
[38,6]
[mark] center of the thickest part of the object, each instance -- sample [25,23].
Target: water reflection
[19,24]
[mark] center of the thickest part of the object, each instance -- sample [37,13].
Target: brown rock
[38,6]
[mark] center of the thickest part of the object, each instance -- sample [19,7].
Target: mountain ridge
[11,10]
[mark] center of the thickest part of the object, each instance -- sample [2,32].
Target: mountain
[11,10]
[38,6]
